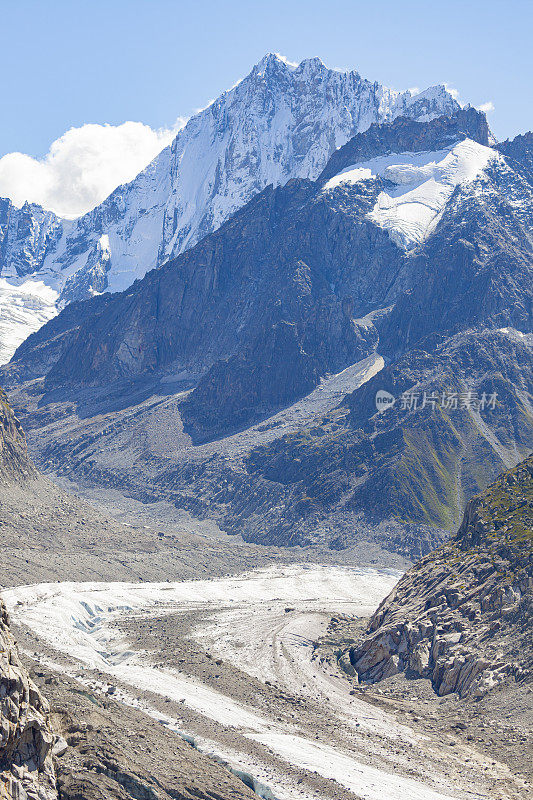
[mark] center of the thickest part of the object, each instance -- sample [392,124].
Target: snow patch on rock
[419,186]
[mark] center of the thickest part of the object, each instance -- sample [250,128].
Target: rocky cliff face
[27,235]
[407,136]
[26,739]
[462,616]
[520,150]
[307,254]
[15,464]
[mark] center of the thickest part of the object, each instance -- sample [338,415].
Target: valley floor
[232,664]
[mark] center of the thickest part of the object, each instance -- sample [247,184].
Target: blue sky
[70,63]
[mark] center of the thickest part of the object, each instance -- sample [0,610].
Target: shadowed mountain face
[305,254]
[442,440]
[417,240]
[15,464]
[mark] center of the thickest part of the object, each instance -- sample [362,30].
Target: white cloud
[454,92]
[83,166]
[486,107]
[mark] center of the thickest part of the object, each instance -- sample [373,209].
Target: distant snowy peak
[281,121]
[419,186]
[27,234]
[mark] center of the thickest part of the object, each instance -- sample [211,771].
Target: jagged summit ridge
[279,122]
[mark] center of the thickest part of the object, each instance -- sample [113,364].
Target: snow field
[422,184]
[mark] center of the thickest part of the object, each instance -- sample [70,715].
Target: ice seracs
[418,186]
[23,309]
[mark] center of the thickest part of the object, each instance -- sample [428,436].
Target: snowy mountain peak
[437,92]
[275,62]
[312,65]
[272,62]
[281,121]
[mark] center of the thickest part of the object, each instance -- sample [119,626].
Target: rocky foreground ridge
[462,615]
[26,739]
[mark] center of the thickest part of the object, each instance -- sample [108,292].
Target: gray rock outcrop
[26,739]
[15,463]
[462,616]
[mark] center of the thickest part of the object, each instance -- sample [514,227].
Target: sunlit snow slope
[419,186]
[23,309]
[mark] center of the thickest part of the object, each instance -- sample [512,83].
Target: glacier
[281,121]
[23,308]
